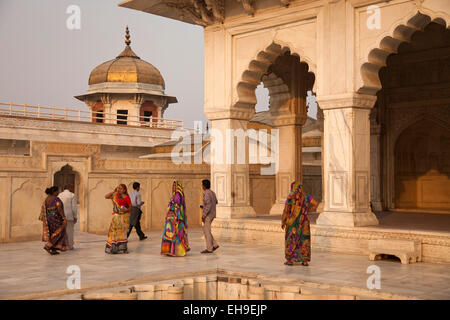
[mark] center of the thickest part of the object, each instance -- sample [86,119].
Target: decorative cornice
[288,120]
[126,87]
[235,113]
[347,100]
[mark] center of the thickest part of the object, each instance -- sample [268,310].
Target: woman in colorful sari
[174,240]
[295,221]
[117,237]
[54,223]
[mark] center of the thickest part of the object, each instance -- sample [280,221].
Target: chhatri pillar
[346,160]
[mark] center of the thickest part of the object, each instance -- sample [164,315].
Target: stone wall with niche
[24,179]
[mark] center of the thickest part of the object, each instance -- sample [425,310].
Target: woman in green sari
[295,221]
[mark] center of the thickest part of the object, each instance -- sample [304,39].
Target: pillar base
[347,219]
[321,207]
[277,208]
[223,212]
[377,206]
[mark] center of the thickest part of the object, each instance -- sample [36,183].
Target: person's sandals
[305,264]
[215,248]
[289,263]
[51,251]
[206,251]
[143,238]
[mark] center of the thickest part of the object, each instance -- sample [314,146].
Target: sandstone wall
[23,180]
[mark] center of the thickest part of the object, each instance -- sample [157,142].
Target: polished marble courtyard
[27,271]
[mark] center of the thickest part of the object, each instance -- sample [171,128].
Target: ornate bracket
[249,6]
[202,12]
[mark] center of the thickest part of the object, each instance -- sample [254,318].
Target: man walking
[136,212]
[208,215]
[70,211]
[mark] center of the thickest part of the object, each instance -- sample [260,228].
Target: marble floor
[25,268]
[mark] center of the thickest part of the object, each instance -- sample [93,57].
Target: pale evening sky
[43,62]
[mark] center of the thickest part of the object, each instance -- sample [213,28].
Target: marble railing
[79,115]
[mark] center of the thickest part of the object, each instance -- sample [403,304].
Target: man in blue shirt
[136,212]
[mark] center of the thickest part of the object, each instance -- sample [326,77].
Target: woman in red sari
[54,223]
[117,237]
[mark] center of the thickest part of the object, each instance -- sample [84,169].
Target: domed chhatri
[126,85]
[127,67]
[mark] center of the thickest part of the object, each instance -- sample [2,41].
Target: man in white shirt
[70,211]
[136,212]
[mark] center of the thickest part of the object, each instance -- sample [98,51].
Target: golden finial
[127,36]
[127,52]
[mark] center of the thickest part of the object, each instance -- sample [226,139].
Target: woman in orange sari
[54,223]
[117,237]
[174,241]
[295,221]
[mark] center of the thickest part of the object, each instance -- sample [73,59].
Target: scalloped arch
[257,73]
[389,45]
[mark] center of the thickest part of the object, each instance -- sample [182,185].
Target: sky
[43,62]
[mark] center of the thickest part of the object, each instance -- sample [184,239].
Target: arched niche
[67,176]
[422,167]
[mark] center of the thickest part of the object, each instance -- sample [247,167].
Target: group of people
[60,211]
[127,214]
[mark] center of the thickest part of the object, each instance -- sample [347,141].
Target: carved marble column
[288,114]
[346,153]
[229,163]
[289,159]
[375,167]
[321,119]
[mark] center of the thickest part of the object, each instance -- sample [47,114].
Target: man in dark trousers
[136,212]
[208,215]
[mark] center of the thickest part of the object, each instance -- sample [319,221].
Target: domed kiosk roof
[126,74]
[127,67]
